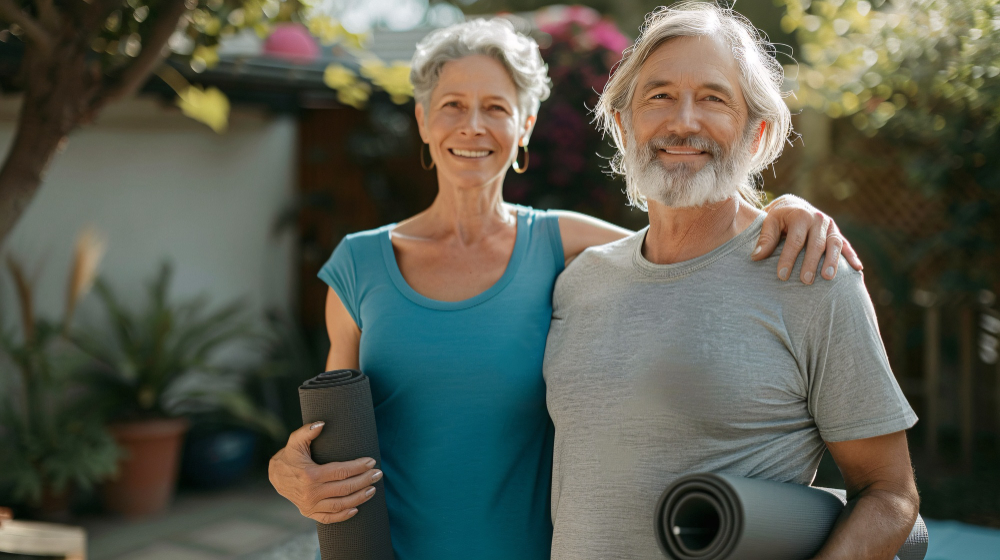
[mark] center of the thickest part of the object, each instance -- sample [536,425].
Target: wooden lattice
[889,220]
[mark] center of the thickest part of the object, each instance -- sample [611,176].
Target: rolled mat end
[709,516]
[342,399]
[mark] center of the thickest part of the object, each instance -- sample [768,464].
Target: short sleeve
[852,391]
[340,273]
[551,221]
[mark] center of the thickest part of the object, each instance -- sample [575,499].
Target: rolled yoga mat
[343,399]
[717,517]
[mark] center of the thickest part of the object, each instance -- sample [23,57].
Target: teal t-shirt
[459,398]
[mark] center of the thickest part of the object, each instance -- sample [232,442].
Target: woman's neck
[466,213]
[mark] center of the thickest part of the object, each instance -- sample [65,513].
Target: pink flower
[605,33]
[552,20]
[583,15]
[291,41]
[582,27]
[563,21]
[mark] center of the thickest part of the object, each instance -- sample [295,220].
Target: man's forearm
[873,526]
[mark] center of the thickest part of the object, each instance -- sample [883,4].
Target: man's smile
[683,151]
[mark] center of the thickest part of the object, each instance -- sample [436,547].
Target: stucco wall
[160,186]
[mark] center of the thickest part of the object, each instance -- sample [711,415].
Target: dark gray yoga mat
[343,400]
[717,517]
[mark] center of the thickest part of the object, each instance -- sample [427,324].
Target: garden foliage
[923,76]
[569,158]
[50,442]
[165,360]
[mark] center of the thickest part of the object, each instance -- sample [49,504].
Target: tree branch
[136,74]
[14,14]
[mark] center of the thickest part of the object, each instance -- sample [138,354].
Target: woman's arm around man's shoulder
[802,224]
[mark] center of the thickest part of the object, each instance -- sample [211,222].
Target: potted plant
[226,420]
[221,446]
[148,370]
[49,444]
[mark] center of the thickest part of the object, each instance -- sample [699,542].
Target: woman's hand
[803,225]
[328,493]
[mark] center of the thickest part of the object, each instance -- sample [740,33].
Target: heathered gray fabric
[713,364]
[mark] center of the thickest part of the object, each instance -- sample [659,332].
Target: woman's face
[472,122]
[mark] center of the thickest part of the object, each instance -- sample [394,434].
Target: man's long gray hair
[761,77]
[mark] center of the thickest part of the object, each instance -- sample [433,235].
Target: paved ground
[251,523]
[254,523]
[299,547]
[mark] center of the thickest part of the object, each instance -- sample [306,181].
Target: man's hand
[328,493]
[882,499]
[804,226]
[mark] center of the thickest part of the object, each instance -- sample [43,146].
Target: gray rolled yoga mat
[343,400]
[717,517]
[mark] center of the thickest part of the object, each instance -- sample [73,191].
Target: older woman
[447,313]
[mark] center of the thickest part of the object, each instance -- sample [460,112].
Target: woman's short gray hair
[495,38]
[761,77]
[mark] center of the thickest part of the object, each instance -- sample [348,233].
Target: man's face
[688,142]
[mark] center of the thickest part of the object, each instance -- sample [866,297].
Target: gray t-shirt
[708,365]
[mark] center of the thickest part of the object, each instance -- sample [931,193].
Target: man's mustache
[701,143]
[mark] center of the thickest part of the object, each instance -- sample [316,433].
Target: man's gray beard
[678,185]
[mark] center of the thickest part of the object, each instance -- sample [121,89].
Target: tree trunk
[63,89]
[29,155]
[59,84]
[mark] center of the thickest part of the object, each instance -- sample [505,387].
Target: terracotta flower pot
[147,474]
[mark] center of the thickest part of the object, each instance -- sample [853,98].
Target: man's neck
[681,234]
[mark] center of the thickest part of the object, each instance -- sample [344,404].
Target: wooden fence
[943,347]
[960,387]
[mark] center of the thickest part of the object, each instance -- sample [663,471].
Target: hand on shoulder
[804,227]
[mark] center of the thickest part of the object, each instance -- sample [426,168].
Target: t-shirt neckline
[516,256]
[684,268]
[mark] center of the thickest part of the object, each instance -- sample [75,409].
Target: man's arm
[882,499]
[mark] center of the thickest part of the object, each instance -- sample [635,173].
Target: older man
[670,353]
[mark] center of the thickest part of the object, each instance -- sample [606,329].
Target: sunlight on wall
[160,186]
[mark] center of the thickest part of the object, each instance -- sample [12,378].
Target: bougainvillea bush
[568,167]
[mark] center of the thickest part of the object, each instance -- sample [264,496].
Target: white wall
[159,186]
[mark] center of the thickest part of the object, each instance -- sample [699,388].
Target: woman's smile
[470,154]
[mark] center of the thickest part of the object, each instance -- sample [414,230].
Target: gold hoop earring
[518,168]
[422,164]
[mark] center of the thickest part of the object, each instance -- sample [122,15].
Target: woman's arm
[579,231]
[328,493]
[345,336]
[803,224]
